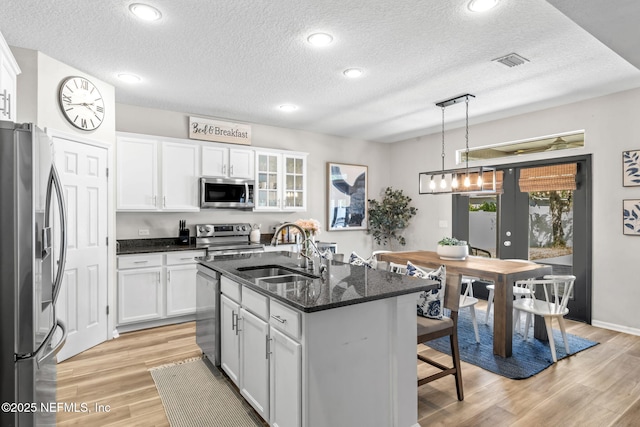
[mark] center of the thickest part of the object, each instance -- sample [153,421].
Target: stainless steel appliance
[226,193]
[31,270]
[219,240]
[226,239]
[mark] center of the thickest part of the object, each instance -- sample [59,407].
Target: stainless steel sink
[274,271]
[287,278]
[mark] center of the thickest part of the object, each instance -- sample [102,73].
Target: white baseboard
[614,327]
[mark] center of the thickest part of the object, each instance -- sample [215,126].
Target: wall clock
[81,103]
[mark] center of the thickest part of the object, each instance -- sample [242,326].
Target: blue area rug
[529,357]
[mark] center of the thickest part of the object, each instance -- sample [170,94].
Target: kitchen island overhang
[358,338]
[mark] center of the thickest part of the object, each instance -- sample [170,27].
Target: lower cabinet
[156,287]
[254,362]
[258,356]
[181,290]
[285,380]
[139,295]
[230,338]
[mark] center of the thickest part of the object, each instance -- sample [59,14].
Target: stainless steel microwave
[226,193]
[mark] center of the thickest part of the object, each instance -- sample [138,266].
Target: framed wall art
[631,217]
[346,197]
[631,168]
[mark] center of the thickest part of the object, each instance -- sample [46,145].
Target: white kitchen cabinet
[224,162]
[181,290]
[280,181]
[157,288]
[180,175]
[254,362]
[156,175]
[229,338]
[137,174]
[139,295]
[285,380]
[9,71]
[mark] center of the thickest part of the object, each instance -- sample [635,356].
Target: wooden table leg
[503,317]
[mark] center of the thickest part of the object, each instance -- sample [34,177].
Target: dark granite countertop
[145,246]
[349,284]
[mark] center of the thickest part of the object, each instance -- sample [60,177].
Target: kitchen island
[313,349]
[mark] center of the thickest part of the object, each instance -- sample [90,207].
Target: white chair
[376,261]
[468,300]
[518,292]
[557,292]
[397,268]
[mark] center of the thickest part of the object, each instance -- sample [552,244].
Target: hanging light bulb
[432,184]
[479,180]
[443,182]
[467,181]
[454,181]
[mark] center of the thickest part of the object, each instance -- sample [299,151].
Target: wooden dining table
[502,273]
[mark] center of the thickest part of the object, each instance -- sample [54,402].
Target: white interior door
[82,302]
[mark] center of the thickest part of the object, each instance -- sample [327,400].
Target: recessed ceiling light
[352,72]
[288,108]
[145,12]
[481,5]
[129,78]
[320,39]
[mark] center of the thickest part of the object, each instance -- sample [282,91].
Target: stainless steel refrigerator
[32,258]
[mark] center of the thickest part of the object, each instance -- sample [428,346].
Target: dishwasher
[208,313]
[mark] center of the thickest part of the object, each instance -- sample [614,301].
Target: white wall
[321,149]
[611,126]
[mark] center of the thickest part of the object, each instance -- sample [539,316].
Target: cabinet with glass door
[281,181]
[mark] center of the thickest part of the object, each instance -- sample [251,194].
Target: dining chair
[519,291]
[557,291]
[397,268]
[431,329]
[467,300]
[376,263]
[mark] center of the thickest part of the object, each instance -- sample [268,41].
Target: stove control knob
[237,228]
[244,228]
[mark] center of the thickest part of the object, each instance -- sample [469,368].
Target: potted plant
[451,248]
[388,217]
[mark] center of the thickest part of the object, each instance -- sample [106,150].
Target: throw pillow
[355,259]
[430,303]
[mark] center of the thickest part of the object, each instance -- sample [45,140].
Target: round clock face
[81,103]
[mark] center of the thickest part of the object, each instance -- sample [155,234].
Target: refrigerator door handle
[58,346]
[54,179]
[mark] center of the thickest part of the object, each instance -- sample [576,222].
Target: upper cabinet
[9,71]
[157,175]
[280,181]
[224,162]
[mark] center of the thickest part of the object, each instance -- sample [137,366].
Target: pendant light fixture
[479,179]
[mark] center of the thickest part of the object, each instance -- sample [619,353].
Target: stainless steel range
[226,239]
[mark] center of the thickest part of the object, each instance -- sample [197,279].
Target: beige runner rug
[193,396]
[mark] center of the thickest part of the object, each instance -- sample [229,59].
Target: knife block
[184,236]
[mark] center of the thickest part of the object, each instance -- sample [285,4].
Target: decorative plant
[391,215]
[451,241]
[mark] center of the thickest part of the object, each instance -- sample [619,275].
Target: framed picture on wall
[631,217]
[631,168]
[346,197]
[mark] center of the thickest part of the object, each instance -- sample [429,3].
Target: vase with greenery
[452,248]
[389,216]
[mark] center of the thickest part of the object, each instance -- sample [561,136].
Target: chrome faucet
[308,261]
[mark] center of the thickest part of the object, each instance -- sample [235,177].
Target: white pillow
[430,303]
[355,259]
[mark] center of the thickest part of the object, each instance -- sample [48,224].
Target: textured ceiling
[239,60]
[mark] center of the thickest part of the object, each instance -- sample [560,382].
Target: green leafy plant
[484,206]
[391,215]
[451,241]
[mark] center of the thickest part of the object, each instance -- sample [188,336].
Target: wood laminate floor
[597,387]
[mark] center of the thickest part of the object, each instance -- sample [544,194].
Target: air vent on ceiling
[511,60]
